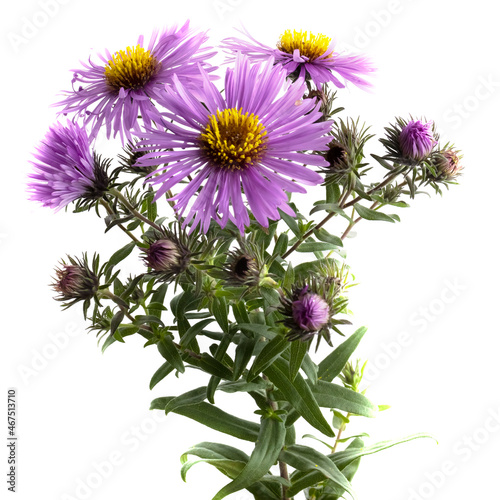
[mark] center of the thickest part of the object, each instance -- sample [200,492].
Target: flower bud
[75,281]
[447,166]
[310,311]
[163,255]
[169,254]
[242,268]
[352,375]
[336,157]
[416,140]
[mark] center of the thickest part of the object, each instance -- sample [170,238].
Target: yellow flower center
[131,68]
[233,140]
[309,45]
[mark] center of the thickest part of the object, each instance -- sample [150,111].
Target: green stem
[282,465]
[337,440]
[110,211]
[110,295]
[304,237]
[354,222]
[132,210]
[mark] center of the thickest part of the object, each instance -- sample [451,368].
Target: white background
[79,408]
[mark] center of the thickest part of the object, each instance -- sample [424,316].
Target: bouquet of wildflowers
[237,281]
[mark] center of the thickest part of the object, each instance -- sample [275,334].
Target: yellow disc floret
[233,140]
[309,45]
[131,68]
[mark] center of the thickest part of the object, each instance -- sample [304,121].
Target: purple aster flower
[66,169]
[118,89]
[310,311]
[305,55]
[246,142]
[416,140]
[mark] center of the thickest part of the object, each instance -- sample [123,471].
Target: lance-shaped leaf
[330,395]
[267,448]
[342,459]
[194,330]
[189,398]
[120,255]
[213,417]
[243,354]
[229,460]
[297,352]
[304,458]
[348,471]
[170,353]
[333,364]
[164,370]
[369,214]
[268,354]
[298,394]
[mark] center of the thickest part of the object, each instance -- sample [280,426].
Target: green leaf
[290,222]
[170,353]
[267,448]
[330,395]
[189,398]
[230,468]
[332,193]
[210,365]
[145,319]
[328,207]
[240,312]
[215,451]
[164,370]
[213,417]
[267,356]
[369,214]
[323,235]
[342,459]
[316,246]
[157,300]
[304,458]
[120,255]
[193,331]
[298,394]
[219,356]
[281,245]
[219,309]
[243,354]
[298,350]
[289,278]
[263,330]
[333,364]
[310,369]
[115,323]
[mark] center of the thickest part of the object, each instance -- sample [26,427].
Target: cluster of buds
[352,376]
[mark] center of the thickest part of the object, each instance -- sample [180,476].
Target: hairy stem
[282,465]
[132,210]
[354,222]
[343,205]
[110,211]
